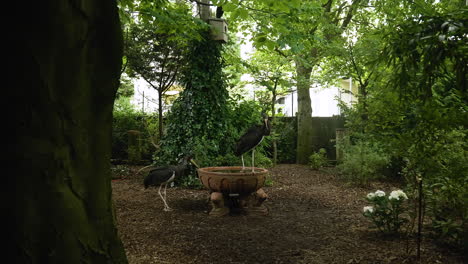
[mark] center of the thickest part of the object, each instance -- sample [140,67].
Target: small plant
[385,211]
[318,159]
[363,161]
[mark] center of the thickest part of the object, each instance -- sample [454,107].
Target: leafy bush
[447,188]
[362,161]
[386,211]
[286,130]
[126,118]
[447,204]
[318,159]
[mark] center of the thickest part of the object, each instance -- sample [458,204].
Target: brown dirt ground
[313,218]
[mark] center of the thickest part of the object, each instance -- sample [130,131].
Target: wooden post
[340,134]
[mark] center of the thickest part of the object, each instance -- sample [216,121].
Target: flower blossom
[370,196]
[396,195]
[369,209]
[380,193]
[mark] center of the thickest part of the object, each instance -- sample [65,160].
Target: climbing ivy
[198,118]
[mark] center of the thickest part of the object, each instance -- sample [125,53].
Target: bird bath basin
[234,188]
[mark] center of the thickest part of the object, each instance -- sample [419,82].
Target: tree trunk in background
[65,72]
[273,123]
[304,113]
[160,116]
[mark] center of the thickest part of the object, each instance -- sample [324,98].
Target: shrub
[126,118]
[362,161]
[318,159]
[285,127]
[447,188]
[385,211]
[447,205]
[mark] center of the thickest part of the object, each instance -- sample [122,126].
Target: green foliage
[318,159]
[126,118]
[197,121]
[126,87]
[286,130]
[362,161]
[271,72]
[204,121]
[447,200]
[386,211]
[447,188]
[414,105]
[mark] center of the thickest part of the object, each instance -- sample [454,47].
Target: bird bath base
[234,189]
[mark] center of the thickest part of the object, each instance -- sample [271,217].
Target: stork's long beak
[194,163]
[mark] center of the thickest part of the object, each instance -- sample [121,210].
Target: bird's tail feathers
[147,181]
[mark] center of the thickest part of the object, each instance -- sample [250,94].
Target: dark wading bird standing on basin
[251,139]
[164,175]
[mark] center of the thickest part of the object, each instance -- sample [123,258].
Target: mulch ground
[313,218]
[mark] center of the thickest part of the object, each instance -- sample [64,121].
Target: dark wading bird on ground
[251,139]
[164,175]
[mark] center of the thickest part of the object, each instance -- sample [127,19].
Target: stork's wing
[159,175]
[249,140]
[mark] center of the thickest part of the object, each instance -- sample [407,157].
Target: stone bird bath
[235,188]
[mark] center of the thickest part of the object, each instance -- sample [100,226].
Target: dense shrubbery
[204,121]
[420,122]
[125,119]
[363,160]
[318,159]
[286,128]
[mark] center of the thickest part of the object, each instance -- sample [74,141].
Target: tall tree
[156,59]
[307,31]
[66,67]
[156,44]
[274,73]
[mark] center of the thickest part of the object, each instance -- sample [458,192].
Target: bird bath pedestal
[234,188]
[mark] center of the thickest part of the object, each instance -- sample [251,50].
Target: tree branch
[350,14]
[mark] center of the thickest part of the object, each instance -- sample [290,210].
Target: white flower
[380,193]
[370,196]
[369,209]
[396,195]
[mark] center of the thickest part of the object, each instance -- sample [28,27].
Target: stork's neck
[266,127]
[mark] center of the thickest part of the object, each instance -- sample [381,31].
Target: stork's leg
[243,166]
[253,154]
[162,198]
[167,208]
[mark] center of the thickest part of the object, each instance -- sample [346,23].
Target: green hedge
[124,121]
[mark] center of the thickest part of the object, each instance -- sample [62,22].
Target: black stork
[164,175]
[251,139]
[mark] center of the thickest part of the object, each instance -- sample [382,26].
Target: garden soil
[314,217]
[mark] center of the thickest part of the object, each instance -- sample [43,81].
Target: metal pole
[420,220]
[143,102]
[292,103]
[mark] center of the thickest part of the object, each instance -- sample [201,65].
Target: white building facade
[325,101]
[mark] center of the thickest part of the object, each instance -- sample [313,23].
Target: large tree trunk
[304,113]
[66,71]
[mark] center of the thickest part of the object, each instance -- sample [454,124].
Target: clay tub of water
[232,180]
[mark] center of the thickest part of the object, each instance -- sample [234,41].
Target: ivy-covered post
[197,121]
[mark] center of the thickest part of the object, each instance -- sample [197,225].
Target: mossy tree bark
[66,66]
[304,113]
